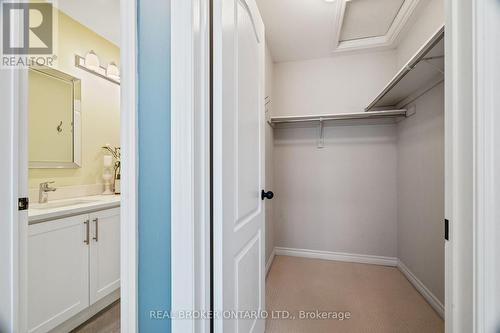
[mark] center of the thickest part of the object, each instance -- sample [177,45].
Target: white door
[238,165]
[104,253]
[58,271]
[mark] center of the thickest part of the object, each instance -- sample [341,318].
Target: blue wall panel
[154,163]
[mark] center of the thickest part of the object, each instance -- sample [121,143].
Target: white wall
[420,180]
[269,158]
[341,198]
[429,18]
[340,84]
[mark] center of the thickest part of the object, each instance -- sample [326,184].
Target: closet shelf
[341,116]
[424,71]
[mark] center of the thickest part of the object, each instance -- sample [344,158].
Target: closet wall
[428,19]
[421,167]
[421,191]
[340,84]
[341,198]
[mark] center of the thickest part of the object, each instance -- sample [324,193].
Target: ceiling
[308,29]
[101,16]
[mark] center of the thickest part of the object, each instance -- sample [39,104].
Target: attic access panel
[368,18]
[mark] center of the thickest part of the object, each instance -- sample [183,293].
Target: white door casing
[238,169]
[104,253]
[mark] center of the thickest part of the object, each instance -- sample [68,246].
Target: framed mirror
[54,124]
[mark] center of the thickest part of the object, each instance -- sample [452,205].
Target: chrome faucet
[43,195]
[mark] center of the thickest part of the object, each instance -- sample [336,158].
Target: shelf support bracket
[411,111]
[321,139]
[433,66]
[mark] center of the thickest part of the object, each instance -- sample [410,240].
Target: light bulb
[92,61]
[113,72]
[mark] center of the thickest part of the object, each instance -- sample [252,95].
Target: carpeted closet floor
[378,298]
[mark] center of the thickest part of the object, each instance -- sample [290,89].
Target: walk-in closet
[355,151]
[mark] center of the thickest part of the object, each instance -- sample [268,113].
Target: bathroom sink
[66,203]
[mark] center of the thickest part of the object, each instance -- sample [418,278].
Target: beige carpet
[379,298]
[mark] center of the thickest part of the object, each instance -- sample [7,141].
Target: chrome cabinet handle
[87,233]
[96,237]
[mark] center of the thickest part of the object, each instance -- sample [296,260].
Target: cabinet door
[104,253]
[58,272]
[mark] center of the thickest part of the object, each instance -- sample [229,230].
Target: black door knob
[267,195]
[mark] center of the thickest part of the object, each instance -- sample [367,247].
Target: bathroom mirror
[54,122]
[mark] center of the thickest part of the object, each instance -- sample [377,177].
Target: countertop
[56,209]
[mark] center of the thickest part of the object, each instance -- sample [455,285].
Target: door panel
[58,272]
[248,281]
[247,119]
[104,253]
[238,164]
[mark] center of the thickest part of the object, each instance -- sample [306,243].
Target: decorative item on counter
[116,154]
[117,179]
[107,176]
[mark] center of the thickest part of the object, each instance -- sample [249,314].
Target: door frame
[12,189]
[14,147]
[191,167]
[461,160]
[486,27]
[129,206]
[472,156]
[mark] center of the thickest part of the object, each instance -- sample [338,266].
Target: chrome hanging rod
[341,116]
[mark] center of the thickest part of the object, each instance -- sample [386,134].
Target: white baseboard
[270,260]
[422,289]
[337,256]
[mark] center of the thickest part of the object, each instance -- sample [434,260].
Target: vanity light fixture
[92,61]
[92,65]
[113,72]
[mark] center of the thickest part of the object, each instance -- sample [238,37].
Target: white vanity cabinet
[72,263]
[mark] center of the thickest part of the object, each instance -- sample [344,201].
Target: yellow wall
[100,104]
